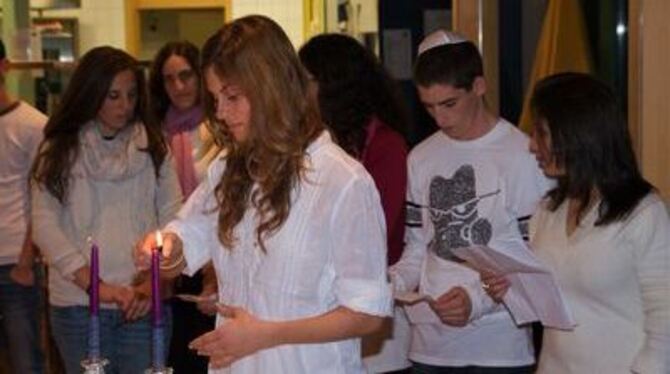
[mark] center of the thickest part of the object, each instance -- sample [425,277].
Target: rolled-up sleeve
[359,250]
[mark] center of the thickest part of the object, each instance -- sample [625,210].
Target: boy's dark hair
[456,64]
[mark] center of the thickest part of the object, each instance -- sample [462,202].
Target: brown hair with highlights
[80,104]
[255,54]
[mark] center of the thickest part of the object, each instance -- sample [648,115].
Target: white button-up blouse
[330,252]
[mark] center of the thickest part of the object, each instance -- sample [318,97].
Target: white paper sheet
[533,294]
[411,297]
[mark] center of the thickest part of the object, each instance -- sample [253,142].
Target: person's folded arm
[242,334]
[358,249]
[47,232]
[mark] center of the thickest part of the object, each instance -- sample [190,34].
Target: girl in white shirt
[603,231]
[293,225]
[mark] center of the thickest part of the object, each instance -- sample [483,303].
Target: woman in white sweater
[604,233]
[103,172]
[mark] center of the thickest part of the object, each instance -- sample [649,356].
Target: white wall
[156,29]
[161,26]
[101,22]
[287,13]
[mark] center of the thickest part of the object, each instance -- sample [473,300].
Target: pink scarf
[179,125]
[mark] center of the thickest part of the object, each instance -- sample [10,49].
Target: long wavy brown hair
[81,102]
[255,54]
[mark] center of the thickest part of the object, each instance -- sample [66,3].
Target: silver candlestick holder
[94,365]
[165,370]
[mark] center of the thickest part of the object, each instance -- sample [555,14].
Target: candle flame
[159,239]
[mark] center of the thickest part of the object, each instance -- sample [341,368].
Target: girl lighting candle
[300,190]
[115,181]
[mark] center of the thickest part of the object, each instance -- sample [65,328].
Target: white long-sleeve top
[20,135]
[330,252]
[616,281]
[463,193]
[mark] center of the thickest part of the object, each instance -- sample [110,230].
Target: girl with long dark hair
[603,231]
[102,172]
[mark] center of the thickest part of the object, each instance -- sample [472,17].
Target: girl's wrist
[108,293]
[271,333]
[174,261]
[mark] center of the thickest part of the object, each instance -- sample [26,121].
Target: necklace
[98,127]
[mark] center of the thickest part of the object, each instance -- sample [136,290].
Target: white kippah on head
[438,38]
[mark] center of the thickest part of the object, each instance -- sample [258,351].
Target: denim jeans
[127,345]
[20,323]
[418,368]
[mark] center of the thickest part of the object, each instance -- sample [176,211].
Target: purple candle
[94,305]
[155,279]
[158,349]
[94,299]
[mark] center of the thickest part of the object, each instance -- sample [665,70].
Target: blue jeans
[418,368]
[127,345]
[20,323]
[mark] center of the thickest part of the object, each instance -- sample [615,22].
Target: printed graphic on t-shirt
[413,214]
[523,223]
[453,210]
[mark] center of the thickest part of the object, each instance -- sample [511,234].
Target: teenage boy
[473,182]
[20,134]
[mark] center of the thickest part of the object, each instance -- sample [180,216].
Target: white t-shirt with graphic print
[462,193]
